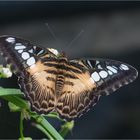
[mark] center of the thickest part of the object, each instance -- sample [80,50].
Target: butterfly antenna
[75,38]
[51,31]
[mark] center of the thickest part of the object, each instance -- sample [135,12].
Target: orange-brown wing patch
[76,95]
[39,87]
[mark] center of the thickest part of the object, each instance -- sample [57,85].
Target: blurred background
[81,29]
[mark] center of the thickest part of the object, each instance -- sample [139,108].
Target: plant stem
[48,127]
[38,126]
[21,126]
[55,116]
[66,128]
[15,96]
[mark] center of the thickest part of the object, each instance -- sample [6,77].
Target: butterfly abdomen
[61,69]
[58,87]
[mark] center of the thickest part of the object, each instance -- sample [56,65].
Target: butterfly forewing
[27,62]
[109,75]
[19,53]
[40,90]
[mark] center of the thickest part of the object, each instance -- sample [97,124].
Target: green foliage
[17,103]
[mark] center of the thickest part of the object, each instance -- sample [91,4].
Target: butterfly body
[53,83]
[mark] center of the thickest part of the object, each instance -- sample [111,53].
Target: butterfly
[52,83]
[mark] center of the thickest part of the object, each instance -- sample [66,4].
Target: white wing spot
[31,51]
[34,47]
[25,55]
[18,44]
[89,63]
[112,69]
[31,61]
[10,39]
[124,67]
[95,76]
[97,62]
[103,74]
[110,72]
[99,67]
[20,51]
[40,52]
[19,47]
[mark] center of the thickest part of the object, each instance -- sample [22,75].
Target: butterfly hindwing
[77,93]
[96,77]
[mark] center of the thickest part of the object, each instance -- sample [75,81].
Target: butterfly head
[63,54]
[54,51]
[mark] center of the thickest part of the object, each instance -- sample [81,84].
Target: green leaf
[18,101]
[10,91]
[14,96]
[13,107]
